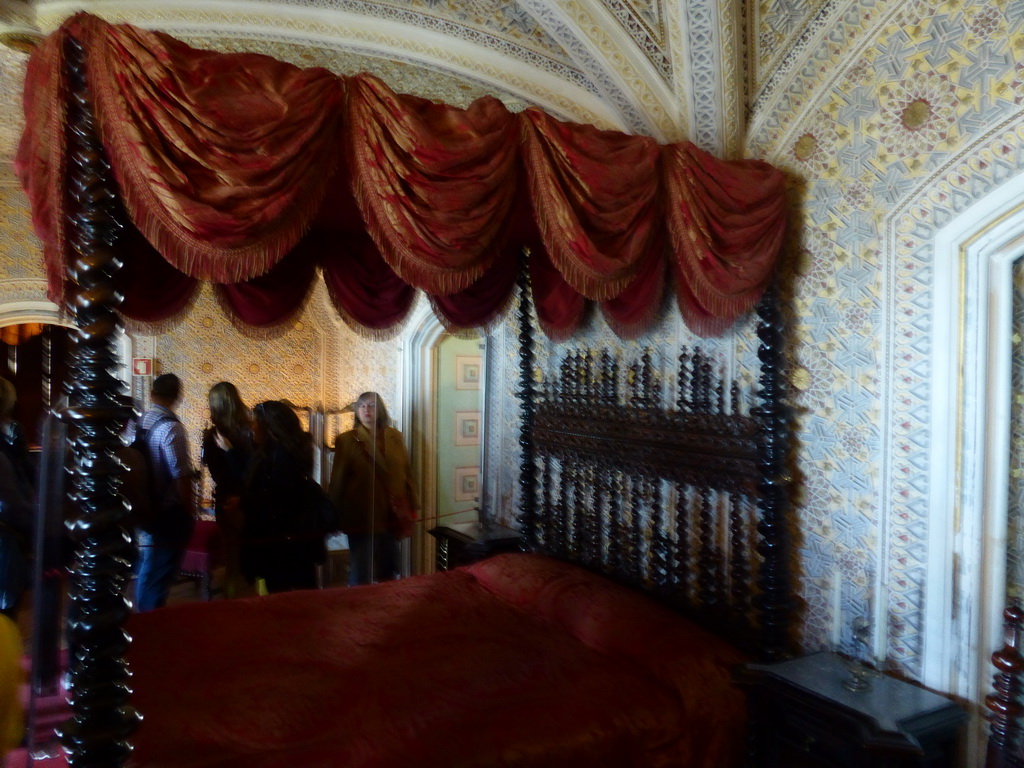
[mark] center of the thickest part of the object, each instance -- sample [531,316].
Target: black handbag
[323,514]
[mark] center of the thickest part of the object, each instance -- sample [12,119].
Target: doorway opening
[979,280]
[444,416]
[33,357]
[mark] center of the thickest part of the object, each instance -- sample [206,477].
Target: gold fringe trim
[706,307]
[365,188]
[53,229]
[691,244]
[494,320]
[552,214]
[178,245]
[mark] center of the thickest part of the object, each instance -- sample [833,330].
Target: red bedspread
[518,661]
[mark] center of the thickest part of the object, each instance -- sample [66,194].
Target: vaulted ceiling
[670,69]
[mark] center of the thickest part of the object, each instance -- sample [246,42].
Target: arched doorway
[33,357]
[445,421]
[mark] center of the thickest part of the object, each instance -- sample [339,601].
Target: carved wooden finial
[1004,705]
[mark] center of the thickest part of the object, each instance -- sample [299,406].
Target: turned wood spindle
[1004,704]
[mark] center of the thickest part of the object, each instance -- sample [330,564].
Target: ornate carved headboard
[685,498]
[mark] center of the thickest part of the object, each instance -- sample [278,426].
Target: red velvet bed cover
[516,661]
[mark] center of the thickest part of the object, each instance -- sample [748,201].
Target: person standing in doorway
[371,486]
[162,546]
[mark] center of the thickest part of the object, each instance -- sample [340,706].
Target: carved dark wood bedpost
[1004,705]
[775,602]
[102,720]
[528,519]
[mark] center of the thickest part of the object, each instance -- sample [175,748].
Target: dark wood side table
[465,543]
[802,716]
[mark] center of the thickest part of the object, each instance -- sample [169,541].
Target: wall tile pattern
[20,257]
[884,141]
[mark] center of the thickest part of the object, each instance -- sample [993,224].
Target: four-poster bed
[147,170]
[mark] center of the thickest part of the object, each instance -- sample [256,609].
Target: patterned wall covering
[20,257]
[885,141]
[12,65]
[313,360]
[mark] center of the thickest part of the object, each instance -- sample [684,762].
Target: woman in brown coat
[371,486]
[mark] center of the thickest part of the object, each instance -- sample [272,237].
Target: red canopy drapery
[229,163]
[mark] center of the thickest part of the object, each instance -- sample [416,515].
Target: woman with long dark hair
[227,450]
[371,486]
[282,539]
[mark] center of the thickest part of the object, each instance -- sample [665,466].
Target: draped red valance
[251,173]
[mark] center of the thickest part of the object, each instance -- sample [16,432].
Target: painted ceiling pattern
[489,23]
[782,30]
[645,24]
[510,22]
[577,43]
[556,44]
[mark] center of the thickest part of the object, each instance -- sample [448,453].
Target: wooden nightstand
[801,716]
[465,543]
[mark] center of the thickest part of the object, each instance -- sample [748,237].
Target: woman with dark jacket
[227,451]
[282,539]
[372,488]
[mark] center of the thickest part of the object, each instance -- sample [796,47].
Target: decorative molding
[644,22]
[704,51]
[783,30]
[607,58]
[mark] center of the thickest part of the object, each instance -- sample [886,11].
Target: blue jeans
[371,558]
[160,556]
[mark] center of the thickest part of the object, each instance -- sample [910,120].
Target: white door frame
[969,466]
[419,422]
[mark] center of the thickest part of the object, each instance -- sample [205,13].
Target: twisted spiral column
[775,603]
[528,518]
[98,408]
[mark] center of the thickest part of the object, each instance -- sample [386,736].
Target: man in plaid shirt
[162,545]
